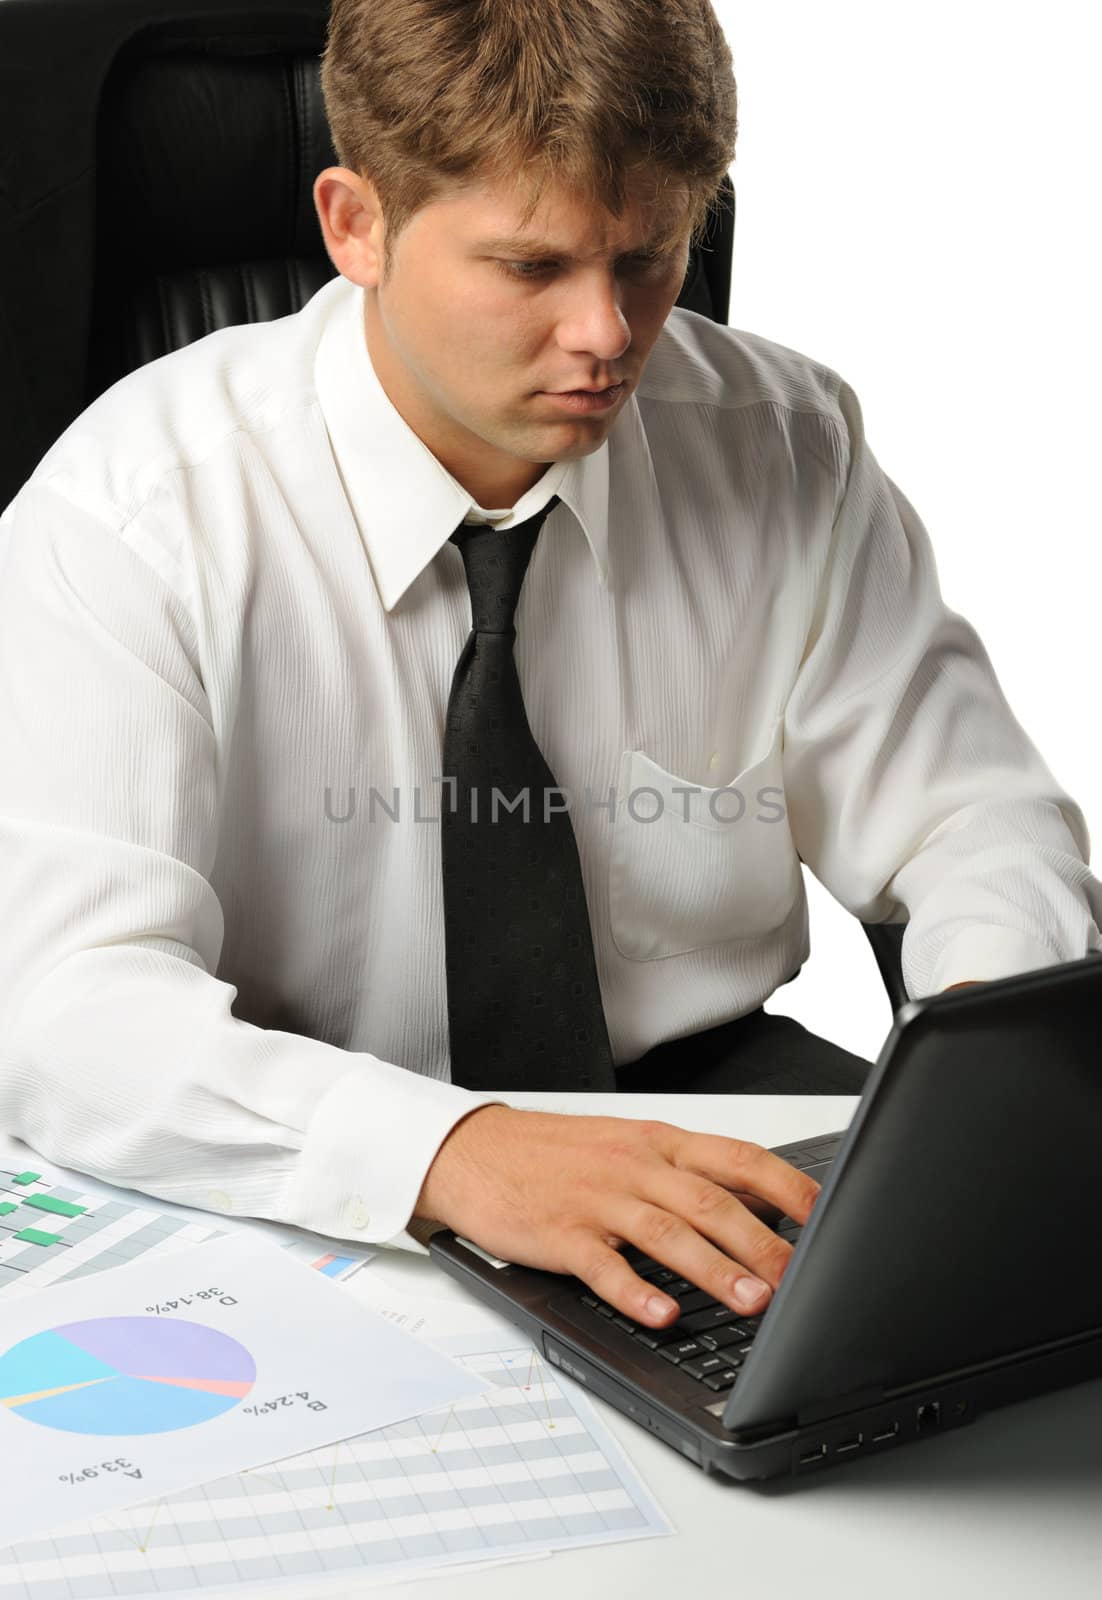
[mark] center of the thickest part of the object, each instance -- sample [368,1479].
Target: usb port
[849,1444]
[888,1433]
[813,1455]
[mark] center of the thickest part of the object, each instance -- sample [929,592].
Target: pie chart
[125,1375]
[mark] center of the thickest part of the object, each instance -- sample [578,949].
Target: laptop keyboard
[708,1342]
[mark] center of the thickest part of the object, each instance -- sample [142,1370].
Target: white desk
[1008,1507]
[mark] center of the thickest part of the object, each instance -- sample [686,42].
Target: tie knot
[496,561]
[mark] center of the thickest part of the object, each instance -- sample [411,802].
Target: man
[237,579]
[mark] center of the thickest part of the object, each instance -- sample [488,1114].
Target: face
[470,335]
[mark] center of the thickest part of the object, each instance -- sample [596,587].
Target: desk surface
[1008,1506]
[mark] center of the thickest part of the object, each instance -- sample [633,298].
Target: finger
[612,1277]
[672,1241]
[739,1165]
[770,1215]
[704,1232]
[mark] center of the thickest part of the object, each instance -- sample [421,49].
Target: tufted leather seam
[163,306]
[302,108]
[206,301]
[246,289]
[289,135]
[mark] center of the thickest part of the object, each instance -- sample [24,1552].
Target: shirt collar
[406,503]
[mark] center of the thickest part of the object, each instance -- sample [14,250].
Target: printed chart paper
[57,1226]
[170,1372]
[526,1468]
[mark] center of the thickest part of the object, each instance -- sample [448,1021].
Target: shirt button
[713,760]
[219,1199]
[357,1213]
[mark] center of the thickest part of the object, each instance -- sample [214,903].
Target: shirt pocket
[724,868]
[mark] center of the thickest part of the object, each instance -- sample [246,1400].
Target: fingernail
[748,1290]
[658,1305]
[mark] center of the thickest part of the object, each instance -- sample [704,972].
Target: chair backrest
[157,162]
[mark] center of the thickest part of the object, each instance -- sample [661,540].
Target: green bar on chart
[60,1208]
[35,1236]
[6,1206]
[27,1177]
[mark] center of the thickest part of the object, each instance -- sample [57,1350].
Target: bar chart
[53,1232]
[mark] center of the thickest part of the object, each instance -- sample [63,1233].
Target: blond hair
[427,97]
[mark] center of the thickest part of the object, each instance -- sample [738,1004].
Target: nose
[594,320]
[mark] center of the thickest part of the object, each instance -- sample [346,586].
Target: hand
[970,984]
[561,1193]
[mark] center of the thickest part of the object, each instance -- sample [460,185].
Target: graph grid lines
[502,1473]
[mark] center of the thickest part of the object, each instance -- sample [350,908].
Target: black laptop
[972,1164]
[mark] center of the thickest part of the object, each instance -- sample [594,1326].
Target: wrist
[437,1196]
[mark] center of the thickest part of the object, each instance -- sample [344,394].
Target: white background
[917,206]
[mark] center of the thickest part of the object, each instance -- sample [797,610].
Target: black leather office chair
[157,159]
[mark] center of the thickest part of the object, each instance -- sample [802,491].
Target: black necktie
[524,1005]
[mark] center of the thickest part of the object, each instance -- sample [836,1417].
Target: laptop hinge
[838,1405]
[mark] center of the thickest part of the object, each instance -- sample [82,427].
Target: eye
[533,269]
[523,269]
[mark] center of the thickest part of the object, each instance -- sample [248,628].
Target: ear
[351,223]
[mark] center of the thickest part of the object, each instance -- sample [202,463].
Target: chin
[585,440]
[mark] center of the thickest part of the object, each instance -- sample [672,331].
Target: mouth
[586,400]
[588,388]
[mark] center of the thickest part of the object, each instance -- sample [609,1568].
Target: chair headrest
[157,162]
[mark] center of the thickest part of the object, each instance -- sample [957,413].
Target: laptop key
[720,1338]
[643,1264]
[702,1365]
[625,1323]
[714,1316]
[661,1277]
[721,1380]
[676,1353]
[655,1338]
[695,1301]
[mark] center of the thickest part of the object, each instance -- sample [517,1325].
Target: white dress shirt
[229,610]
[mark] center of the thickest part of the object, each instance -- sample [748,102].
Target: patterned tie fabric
[524,1005]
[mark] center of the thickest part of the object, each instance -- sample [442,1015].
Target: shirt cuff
[984,952]
[367,1149]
